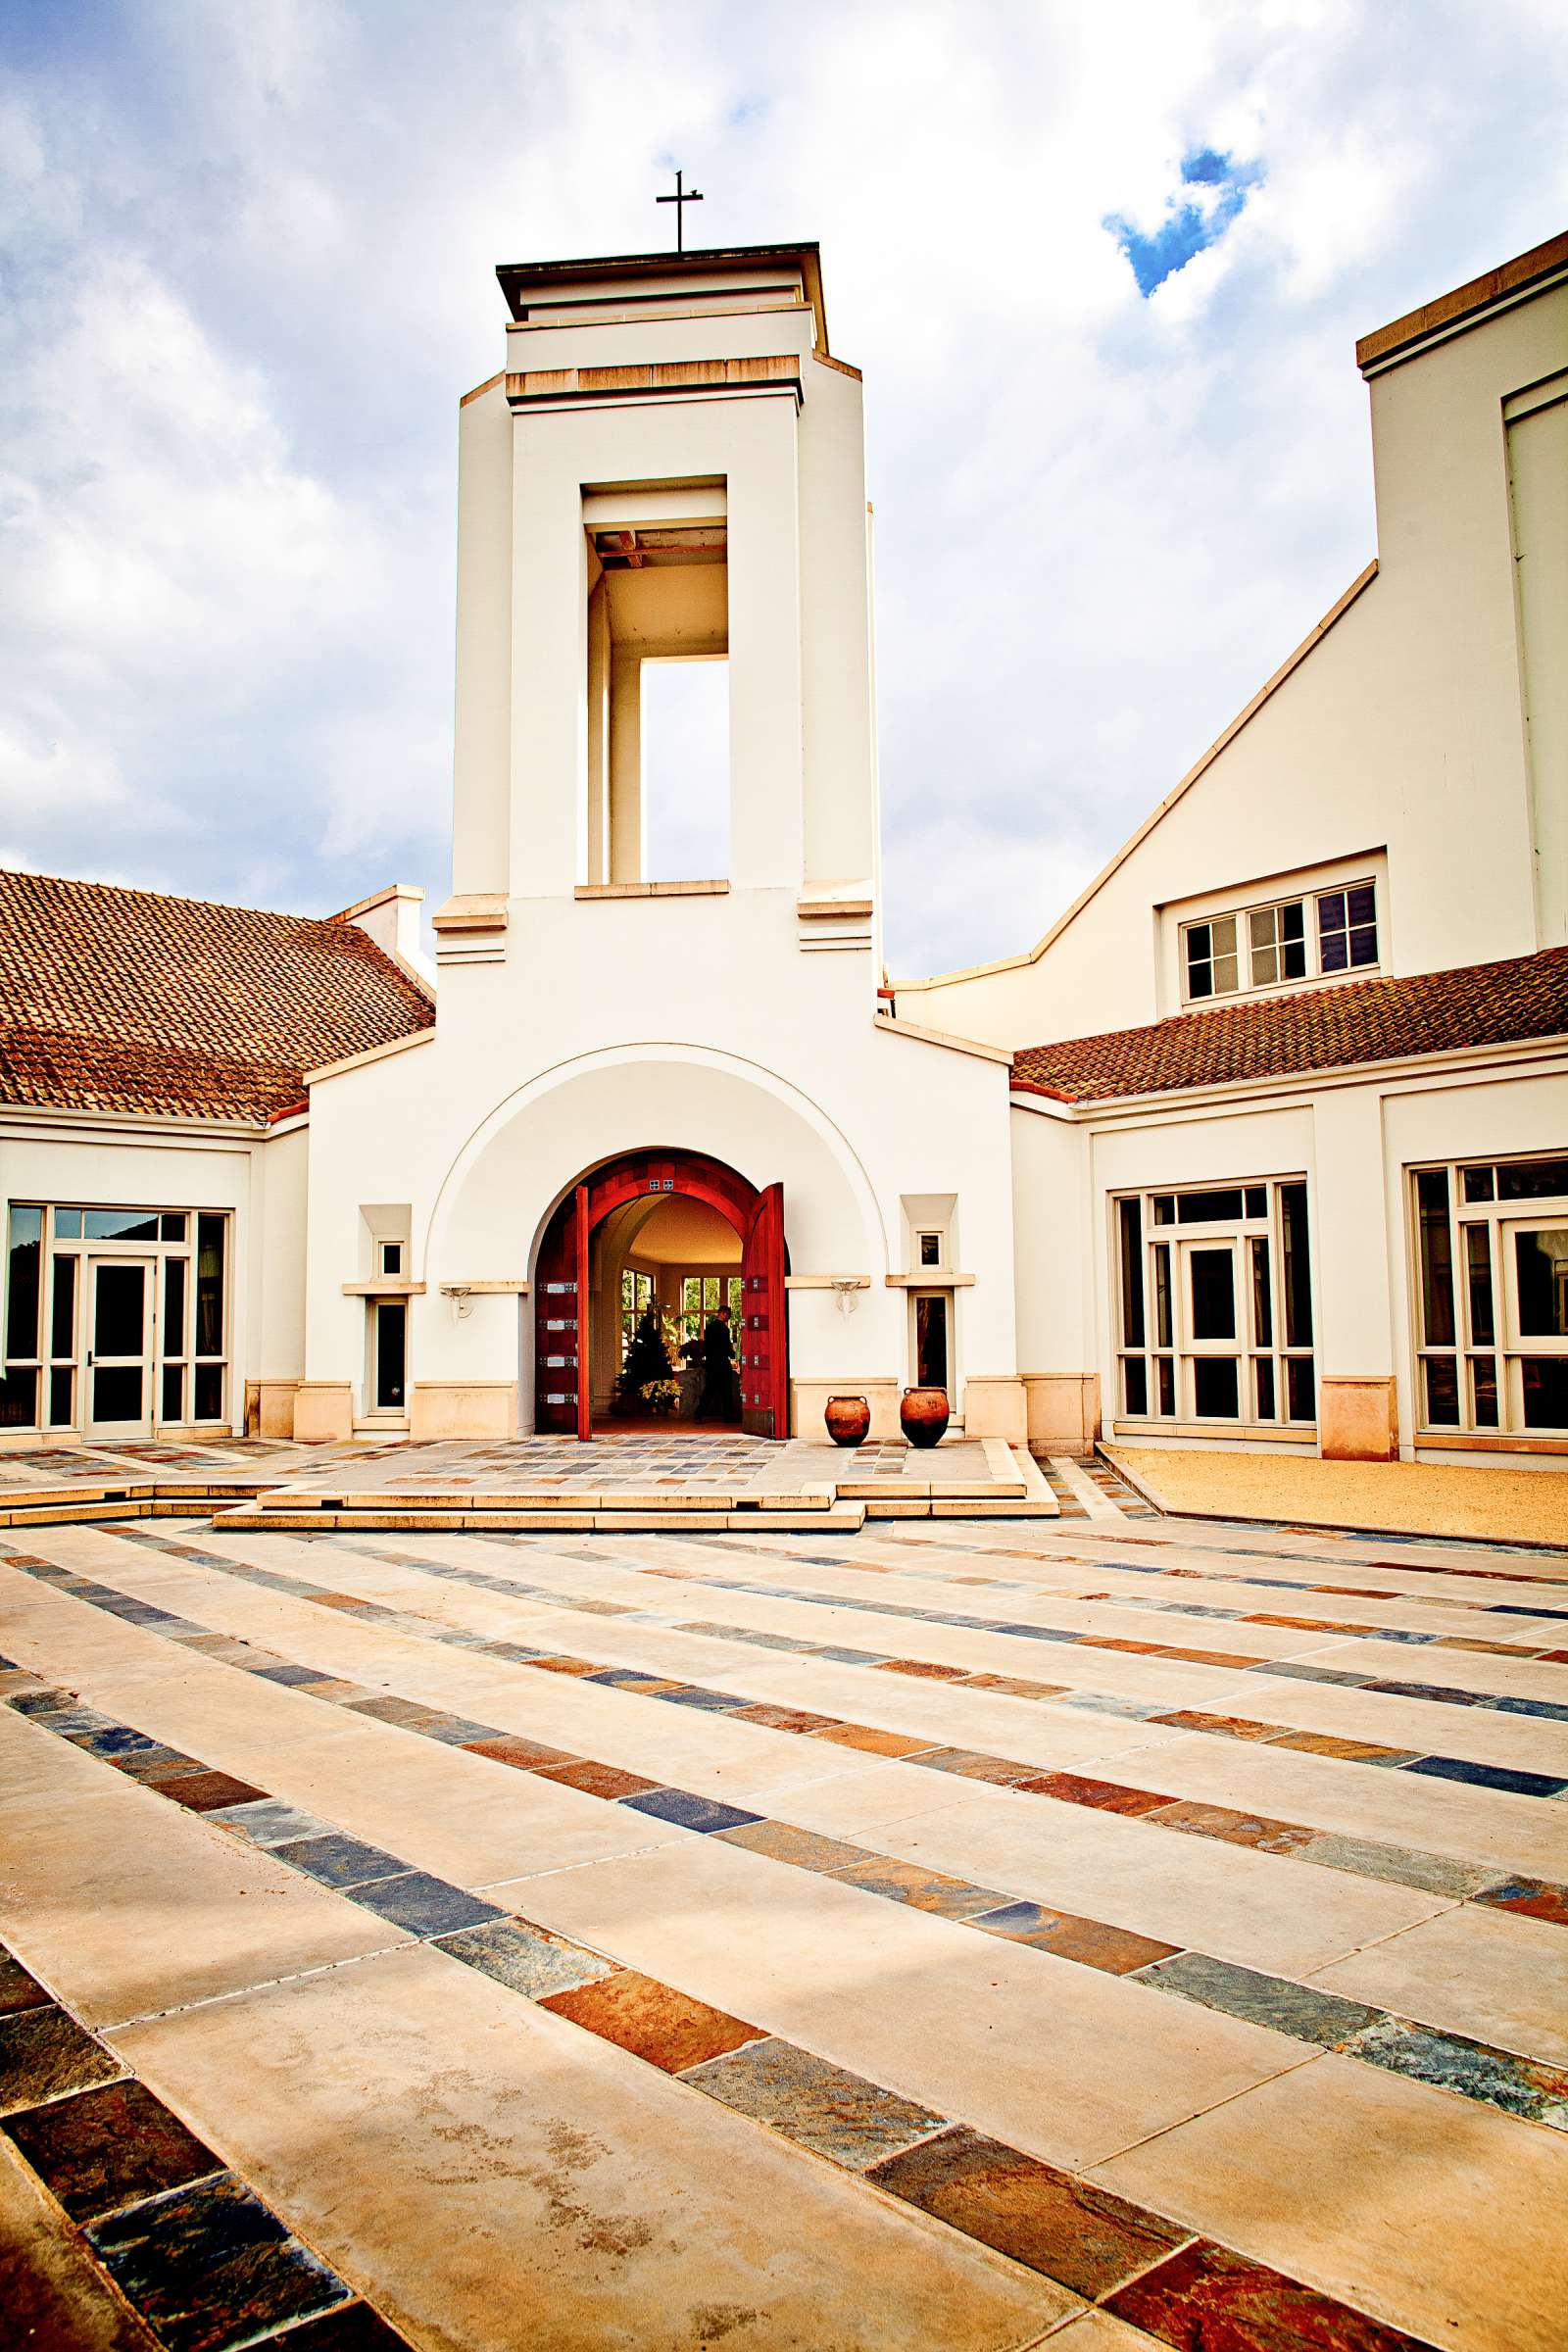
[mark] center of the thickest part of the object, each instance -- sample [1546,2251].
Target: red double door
[563,1282]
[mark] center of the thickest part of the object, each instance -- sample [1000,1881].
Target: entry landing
[676,1482]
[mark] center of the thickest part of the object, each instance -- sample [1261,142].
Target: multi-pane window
[1214,1304]
[1491,1296]
[116,1319]
[1290,938]
[702,1296]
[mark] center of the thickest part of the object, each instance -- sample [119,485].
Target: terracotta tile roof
[1309,1029]
[124,1000]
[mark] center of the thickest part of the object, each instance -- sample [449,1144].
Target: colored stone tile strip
[198,2256]
[208,2266]
[1358,1857]
[426,1906]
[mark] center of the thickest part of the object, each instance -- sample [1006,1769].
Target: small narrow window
[392,1258]
[930,1249]
[1348,928]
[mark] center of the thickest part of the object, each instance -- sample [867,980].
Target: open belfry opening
[657,576]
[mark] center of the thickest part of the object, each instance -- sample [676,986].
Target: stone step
[566,1518]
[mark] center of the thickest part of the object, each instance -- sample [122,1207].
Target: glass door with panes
[1211,1296]
[1534,1269]
[119,1336]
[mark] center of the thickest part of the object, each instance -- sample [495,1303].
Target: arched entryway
[697,1220]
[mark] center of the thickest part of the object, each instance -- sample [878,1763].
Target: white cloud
[251,272]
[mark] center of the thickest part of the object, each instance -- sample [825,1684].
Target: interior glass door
[120,1347]
[1212,1301]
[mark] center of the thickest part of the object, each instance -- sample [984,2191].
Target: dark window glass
[171,1227]
[120,1225]
[1437,1258]
[116,1392]
[1478,1184]
[61,1382]
[391,1258]
[1300,1389]
[391,1333]
[19,1399]
[1478,1265]
[1257,1200]
[209,1288]
[1292,942]
[1164,1208]
[1199,966]
[930,1249]
[175,1307]
[1135,1385]
[22,1283]
[68,1224]
[1533,1180]
[1214,1388]
[119,1314]
[62,1309]
[1262,1297]
[1442,1392]
[1209,1209]
[1263,1378]
[1484,1379]
[209,1383]
[1348,928]
[1213,1279]
[1130,1220]
[931,1341]
[1545,1387]
[1295,1272]
[174,1393]
[1541,1265]
[1162,1322]
[1165,1380]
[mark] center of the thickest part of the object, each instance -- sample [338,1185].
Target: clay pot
[848,1420]
[924,1413]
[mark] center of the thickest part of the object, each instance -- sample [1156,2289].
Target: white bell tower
[669,466]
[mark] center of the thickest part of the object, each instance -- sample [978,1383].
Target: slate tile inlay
[210,1791]
[1082,2237]
[209,2266]
[691,1812]
[337,1860]
[653,2019]
[106,2148]
[838,2114]
[1089,1941]
[19,1989]
[1207,2299]
[529,1960]
[43,2054]
[1300,2010]
[425,1905]
[922,1889]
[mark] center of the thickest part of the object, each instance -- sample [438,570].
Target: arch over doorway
[563,1286]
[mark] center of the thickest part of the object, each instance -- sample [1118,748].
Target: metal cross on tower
[681,198]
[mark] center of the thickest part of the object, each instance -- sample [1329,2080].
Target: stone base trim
[275,1408]
[1063,1409]
[996,1407]
[462,1408]
[323,1413]
[1358,1419]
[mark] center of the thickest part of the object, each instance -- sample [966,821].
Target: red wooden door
[561,1322]
[764,1334]
[579,1232]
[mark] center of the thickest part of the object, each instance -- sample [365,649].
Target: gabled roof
[1309,1029]
[125,999]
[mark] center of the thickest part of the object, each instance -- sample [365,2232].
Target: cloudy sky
[1102,264]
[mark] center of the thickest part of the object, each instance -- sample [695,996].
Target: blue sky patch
[1220,187]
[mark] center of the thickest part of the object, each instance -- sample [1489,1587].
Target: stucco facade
[669,466]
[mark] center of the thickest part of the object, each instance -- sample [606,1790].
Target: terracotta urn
[924,1413]
[849,1419]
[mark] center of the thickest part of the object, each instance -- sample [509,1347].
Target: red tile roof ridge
[1380,1018]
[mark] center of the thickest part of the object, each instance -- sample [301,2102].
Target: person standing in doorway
[718,1400]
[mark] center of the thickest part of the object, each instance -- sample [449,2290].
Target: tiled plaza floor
[1097,1932]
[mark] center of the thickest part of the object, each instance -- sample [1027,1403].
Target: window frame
[1477,1362]
[1244,917]
[1153,1319]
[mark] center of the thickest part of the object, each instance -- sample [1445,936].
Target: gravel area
[1510,1507]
